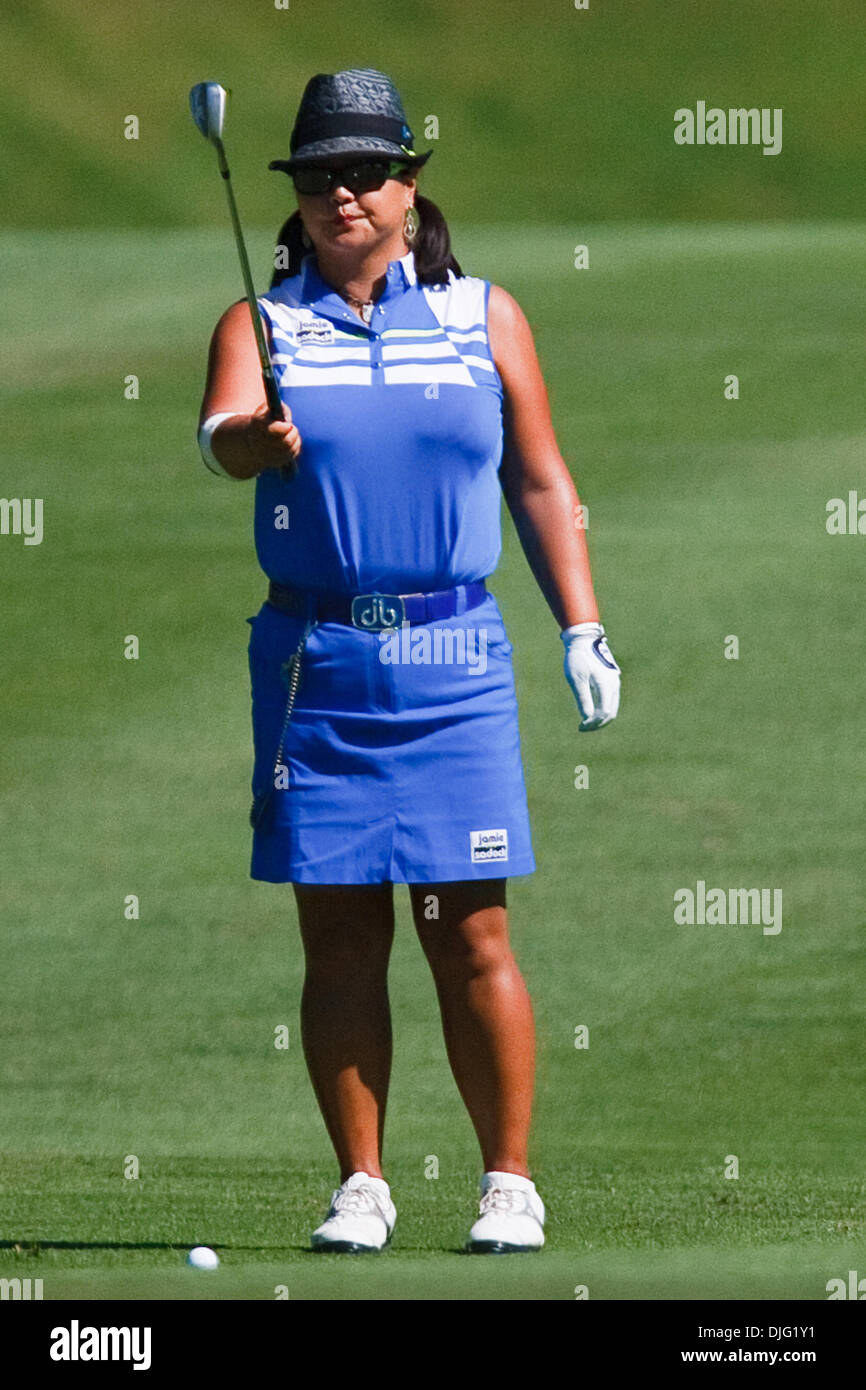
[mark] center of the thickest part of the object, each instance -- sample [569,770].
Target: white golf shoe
[360,1219]
[512,1216]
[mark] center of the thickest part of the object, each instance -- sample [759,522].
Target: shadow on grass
[32,1247]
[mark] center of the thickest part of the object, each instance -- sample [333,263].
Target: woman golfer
[384,713]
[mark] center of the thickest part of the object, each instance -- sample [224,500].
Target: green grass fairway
[540,105]
[154,1038]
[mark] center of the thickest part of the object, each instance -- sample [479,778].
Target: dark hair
[432,247]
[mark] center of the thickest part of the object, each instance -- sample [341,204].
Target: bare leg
[486,1013]
[347,934]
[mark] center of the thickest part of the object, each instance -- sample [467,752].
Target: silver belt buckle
[378,612]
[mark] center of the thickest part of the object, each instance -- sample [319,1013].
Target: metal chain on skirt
[262,802]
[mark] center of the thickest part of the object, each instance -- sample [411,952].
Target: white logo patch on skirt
[488,844]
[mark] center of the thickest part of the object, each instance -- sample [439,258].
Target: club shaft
[271,392]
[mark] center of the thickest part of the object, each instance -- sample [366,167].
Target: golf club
[207,101]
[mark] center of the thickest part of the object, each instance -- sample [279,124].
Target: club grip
[275,406]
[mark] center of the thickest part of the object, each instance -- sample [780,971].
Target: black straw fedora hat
[356,112]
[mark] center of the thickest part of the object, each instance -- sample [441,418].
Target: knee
[476,948]
[346,963]
[346,937]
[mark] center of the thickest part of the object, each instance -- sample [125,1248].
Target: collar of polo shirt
[314,288]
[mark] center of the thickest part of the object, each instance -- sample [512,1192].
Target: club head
[207,102]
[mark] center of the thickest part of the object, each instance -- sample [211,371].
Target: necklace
[365,306]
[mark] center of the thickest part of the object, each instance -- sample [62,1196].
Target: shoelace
[510,1199]
[356,1201]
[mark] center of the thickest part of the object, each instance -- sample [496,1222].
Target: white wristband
[205,435]
[580,628]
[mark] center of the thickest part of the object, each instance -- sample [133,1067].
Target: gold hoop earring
[411,223]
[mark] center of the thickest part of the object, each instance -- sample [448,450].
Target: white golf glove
[592,674]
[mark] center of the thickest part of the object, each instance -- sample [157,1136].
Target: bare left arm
[537,486]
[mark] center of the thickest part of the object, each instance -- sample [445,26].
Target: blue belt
[375,612]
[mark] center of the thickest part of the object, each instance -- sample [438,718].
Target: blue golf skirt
[401,768]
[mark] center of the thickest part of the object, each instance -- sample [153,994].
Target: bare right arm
[250,442]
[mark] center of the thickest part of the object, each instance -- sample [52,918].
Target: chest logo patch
[315,331]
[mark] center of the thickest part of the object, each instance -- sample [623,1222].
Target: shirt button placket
[376,355]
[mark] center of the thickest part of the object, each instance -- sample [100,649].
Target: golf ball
[202,1257]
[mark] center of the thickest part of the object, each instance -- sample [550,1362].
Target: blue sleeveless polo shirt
[401,428]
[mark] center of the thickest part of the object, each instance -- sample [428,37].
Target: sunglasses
[362,176]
